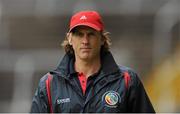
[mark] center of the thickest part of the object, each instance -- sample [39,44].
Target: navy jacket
[106,91]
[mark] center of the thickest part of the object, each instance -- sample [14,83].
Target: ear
[102,41]
[69,38]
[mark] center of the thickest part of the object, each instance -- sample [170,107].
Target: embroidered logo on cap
[83,17]
[111,98]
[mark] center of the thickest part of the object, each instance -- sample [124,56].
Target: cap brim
[86,24]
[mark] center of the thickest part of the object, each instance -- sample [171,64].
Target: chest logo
[111,98]
[60,101]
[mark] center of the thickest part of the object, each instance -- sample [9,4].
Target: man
[87,78]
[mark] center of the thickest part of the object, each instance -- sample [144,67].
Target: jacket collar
[66,66]
[108,63]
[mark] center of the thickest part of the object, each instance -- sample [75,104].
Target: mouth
[85,49]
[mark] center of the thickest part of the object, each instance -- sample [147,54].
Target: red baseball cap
[87,18]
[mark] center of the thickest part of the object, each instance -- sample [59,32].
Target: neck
[87,67]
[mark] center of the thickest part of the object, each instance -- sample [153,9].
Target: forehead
[84,29]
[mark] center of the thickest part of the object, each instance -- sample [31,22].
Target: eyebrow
[87,30]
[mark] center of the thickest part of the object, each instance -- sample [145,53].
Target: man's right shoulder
[42,81]
[44,77]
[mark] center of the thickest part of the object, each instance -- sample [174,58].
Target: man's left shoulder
[131,72]
[126,69]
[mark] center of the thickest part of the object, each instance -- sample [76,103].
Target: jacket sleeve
[138,100]
[39,102]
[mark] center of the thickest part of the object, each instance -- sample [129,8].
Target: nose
[85,39]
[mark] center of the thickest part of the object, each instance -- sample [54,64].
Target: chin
[85,57]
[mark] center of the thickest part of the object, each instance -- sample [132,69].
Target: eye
[80,34]
[91,34]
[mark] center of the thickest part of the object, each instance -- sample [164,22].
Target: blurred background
[145,36]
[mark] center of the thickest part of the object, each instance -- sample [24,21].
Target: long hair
[104,34]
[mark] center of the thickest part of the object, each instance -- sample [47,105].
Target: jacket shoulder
[42,81]
[134,77]
[127,69]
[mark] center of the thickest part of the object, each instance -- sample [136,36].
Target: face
[86,43]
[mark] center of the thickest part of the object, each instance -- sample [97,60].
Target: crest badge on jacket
[111,99]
